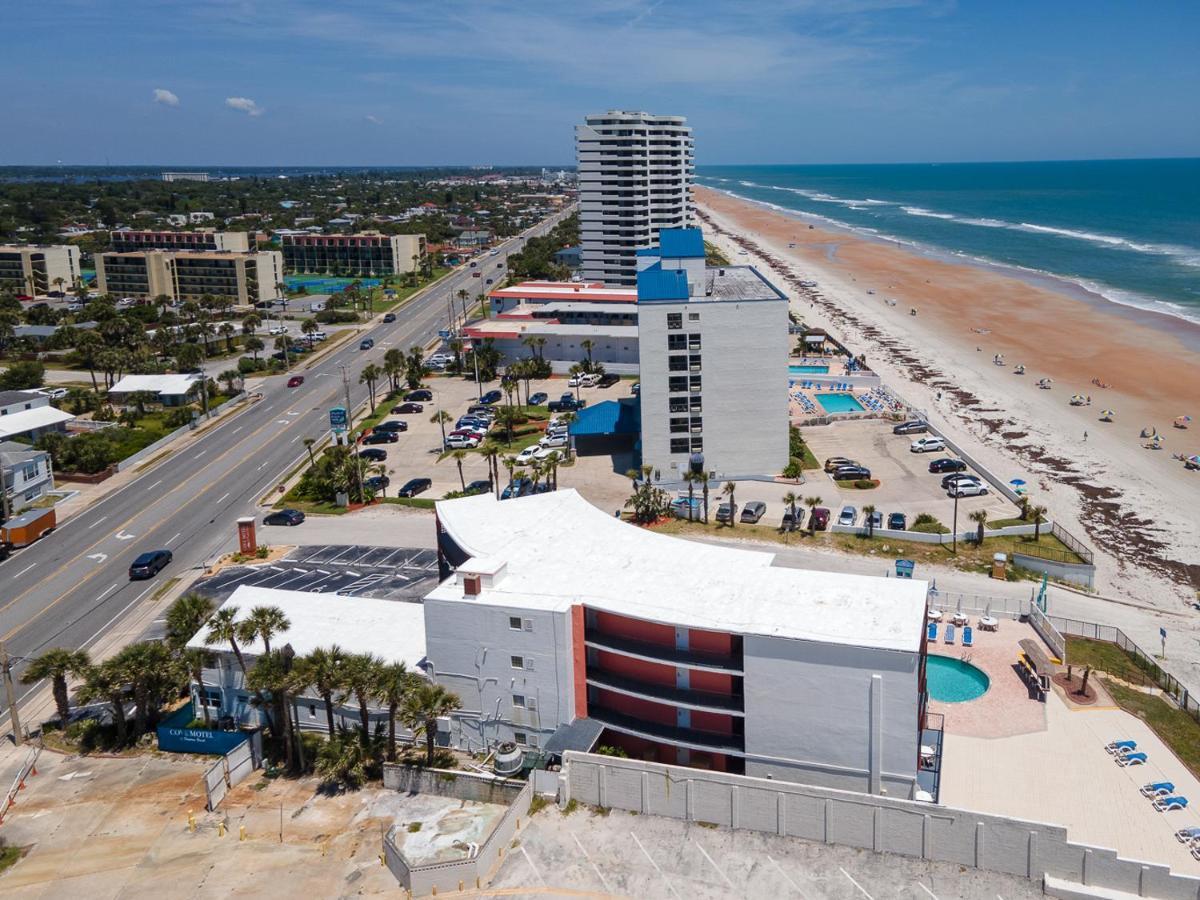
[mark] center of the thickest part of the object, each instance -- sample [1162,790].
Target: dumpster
[22,530]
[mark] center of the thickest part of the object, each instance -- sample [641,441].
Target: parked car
[848,515]
[149,564]
[389,318]
[897,522]
[391,425]
[537,399]
[967,489]
[837,462]
[635,388]
[374,454]
[518,488]
[463,440]
[366,344]
[726,511]
[957,477]
[608,380]
[851,473]
[790,523]
[752,512]
[913,426]
[927,445]
[947,465]
[565,405]
[484,410]
[542,452]
[819,520]
[53,393]
[421,395]
[376,482]
[558,439]
[295,381]
[407,409]
[415,486]
[478,487]
[284,517]
[381,437]
[492,397]
[874,520]
[526,456]
[680,508]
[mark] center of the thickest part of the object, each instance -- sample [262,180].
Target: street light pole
[349,427]
[10,696]
[955,522]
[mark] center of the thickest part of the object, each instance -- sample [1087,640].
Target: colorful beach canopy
[1183,421]
[1107,414]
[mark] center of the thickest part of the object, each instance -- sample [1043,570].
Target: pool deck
[1007,754]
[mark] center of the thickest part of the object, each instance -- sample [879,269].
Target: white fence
[978,604]
[232,769]
[881,824]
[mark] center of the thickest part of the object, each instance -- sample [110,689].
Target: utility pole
[10,696]
[5,510]
[349,428]
[955,535]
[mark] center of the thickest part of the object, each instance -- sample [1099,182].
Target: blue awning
[610,417]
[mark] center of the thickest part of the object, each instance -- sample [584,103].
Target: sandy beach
[1135,507]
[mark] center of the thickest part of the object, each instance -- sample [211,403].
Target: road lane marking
[223,496]
[236,430]
[103,593]
[200,454]
[670,886]
[24,570]
[264,465]
[855,883]
[124,536]
[98,557]
[97,522]
[156,484]
[117,616]
[172,538]
[713,863]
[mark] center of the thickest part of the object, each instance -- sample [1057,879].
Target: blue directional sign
[338,418]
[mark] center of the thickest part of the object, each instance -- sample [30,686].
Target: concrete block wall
[1029,849]
[449,783]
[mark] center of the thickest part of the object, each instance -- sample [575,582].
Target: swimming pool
[954,681]
[840,403]
[808,370]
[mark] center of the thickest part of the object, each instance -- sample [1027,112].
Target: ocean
[1128,230]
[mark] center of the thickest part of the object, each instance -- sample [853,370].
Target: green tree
[458,456]
[343,760]
[224,628]
[392,684]
[255,345]
[414,367]
[323,670]
[424,705]
[227,331]
[186,617]
[57,664]
[359,676]
[728,491]
[441,417]
[869,513]
[370,376]
[648,502]
[812,503]
[106,683]
[1038,512]
[264,623]
[153,673]
[979,517]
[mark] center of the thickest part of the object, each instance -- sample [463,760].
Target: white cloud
[165,97]
[374,120]
[245,104]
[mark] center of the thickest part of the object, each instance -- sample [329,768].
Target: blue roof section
[648,251]
[655,283]
[681,243]
[610,417]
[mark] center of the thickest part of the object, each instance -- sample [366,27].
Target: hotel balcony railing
[689,659]
[704,700]
[687,737]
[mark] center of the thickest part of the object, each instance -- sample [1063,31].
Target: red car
[296,381]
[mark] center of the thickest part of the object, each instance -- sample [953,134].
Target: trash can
[999,565]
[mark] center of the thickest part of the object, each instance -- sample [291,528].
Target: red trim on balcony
[636,669]
[710,641]
[579,660]
[635,629]
[713,682]
[717,723]
[644,710]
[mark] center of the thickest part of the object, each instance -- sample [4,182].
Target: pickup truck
[565,405]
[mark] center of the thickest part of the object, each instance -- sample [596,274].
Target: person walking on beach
[1085,437]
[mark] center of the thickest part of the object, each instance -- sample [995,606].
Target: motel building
[561,627]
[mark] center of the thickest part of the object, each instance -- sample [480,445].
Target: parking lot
[385,573]
[621,854]
[906,484]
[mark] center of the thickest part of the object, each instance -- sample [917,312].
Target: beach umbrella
[1106,415]
[1149,431]
[1182,421]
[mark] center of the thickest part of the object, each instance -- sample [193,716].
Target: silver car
[752,512]
[848,515]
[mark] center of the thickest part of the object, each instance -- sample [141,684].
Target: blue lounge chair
[1115,747]
[1132,759]
[1158,789]
[949,634]
[932,629]
[1184,835]
[1166,804]
[968,636]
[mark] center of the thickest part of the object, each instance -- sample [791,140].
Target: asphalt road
[69,588]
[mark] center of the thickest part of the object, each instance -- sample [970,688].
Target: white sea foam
[928,213]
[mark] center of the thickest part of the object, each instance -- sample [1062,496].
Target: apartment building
[353,255]
[538,293]
[245,278]
[133,241]
[29,415]
[635,177]
[555,619]
[34,269]
[25,475]
[713,350]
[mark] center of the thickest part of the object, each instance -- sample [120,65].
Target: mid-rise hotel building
[635,177]
[245,278]
[132,241]
[37,268]
[353,255]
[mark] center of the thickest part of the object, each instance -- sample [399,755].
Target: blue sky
[392,82]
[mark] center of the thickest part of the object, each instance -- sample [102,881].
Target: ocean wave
[928,213]
[1189,256]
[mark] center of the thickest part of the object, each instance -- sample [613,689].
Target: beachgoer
[1085,437]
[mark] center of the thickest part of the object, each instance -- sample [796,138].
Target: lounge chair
[1115,747]
[949,634]
[1184,835]
[932,631]
[1132,759]
[968,636]
[1166,804]
[1158,789]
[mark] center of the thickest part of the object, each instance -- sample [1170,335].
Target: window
[312,710]
[697,423]
[519,700]
[679,445]
[514,622]
[697,445]
[211,697]
[520,738]
[695,406]
[678,404]
[674,321]
[679,424]
[677,363]
[694,362]
[693,317]
[694,383]
[677,384]
[676,341]
[518,662]
[693,342]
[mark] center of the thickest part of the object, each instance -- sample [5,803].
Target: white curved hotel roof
[554,550]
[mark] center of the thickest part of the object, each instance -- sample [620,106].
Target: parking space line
[713,863]
[645,853]
[927,890]
[529,860]
[595,868]
[786,877]
[855,883]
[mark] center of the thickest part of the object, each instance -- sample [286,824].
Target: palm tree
[441,417]
[587,344]
[358,681]
[254,345]
[370,376]
[393,367]
[509,463]
[153,673]
[392,685]
[323,670]
[106,682]
[728,491]
[227,331]
[264,622]
[490,451]
[308,445]
[424,705]
[224,628]
[812,503]
[284,345]
[458,456]
[250,323]
[1037,512]
[309,327]
[690,478]
[508,417]
[57,664]
[703,478]
[869,512]
[575,371]
[271,675]
[979,517]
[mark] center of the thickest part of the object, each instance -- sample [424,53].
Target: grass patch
[1008,523]
[1177,729]
[9,857]
[413,827]
[859,484]
[404,294]
[310,507]
[571,806]
[164,589]
[1105,657]
[602,811]
[927,524]
[537,804]
[414,502]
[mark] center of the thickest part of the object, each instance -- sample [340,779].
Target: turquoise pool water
[954,681]
[808,370]
[839,403]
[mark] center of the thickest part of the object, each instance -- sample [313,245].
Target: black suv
[608,380]
[492,397]
[897,522]
[947,465]
[415,486]
[851,473]
[381,437]
[391,425]
[421,396]
[374,454]
[149,564]
[284,517]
